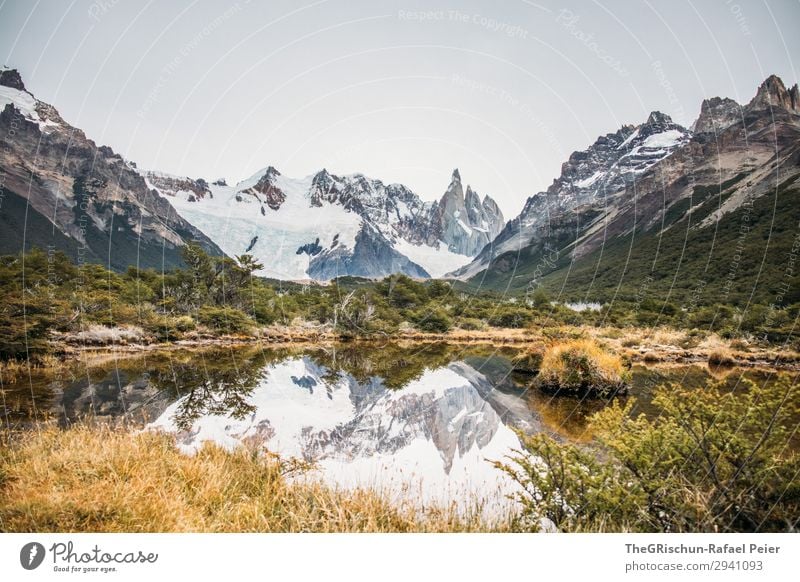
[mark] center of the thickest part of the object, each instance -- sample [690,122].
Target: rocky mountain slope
[326,226]
[662,206]
[61,191]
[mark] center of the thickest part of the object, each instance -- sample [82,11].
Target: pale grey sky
[399,90]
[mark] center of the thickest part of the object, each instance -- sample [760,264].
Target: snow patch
[25,103]
[665,139]
[629,139]
[585,183]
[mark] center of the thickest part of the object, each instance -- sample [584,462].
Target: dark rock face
[173,184]
[773,94]
[311,249]
[11,78]
[266,191]
[99,208]
[371,257]
[716,115]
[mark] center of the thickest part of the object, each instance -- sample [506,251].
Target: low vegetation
[710,461]
[46,296]
[581,367]
[720,357]
[103,480]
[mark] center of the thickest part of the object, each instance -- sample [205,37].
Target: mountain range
[651,207]
[62,191]
[660,210]
[325,226]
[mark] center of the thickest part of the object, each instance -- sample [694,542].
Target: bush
[712,460]
[24,326]
[528,361]
[435,321]
[582,367]
[510,316]
[224,319]
[470,324]
[184,323]
[102,335]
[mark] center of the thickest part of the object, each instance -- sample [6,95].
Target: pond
[421,422]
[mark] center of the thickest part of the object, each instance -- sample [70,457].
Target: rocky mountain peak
[717,114]
[773,93]
[11,78]
[658,118]
[453,197]
[265,191]
[658,122]
[463,222]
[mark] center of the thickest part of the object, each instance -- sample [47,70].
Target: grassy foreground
[102,480]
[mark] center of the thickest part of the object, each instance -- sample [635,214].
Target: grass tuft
[582,367]
[99,479]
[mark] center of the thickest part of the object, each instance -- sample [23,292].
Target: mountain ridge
[97,205]
[325,225]
[701,180]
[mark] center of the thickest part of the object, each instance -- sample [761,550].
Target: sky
[404,91]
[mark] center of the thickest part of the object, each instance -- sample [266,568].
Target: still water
[421,422]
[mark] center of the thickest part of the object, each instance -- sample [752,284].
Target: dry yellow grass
[96,479]
[721,356]
[11,370]
[581,365]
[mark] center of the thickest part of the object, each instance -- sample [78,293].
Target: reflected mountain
[436,436]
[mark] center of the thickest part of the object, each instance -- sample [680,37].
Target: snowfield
[234,224]
[437,262]
[25,103]
[324,224]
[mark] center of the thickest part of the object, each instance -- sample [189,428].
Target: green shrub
[184,323]
[510,316]
[470,324]
[434,321]
[711,460]
[224,319]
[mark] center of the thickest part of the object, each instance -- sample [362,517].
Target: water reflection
[433,437]
[420,421]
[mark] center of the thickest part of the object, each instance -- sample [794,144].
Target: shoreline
[638,345]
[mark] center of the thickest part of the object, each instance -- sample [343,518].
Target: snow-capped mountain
[593,176]
[647,178]
[431,441]
[326,226]
[62,191]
